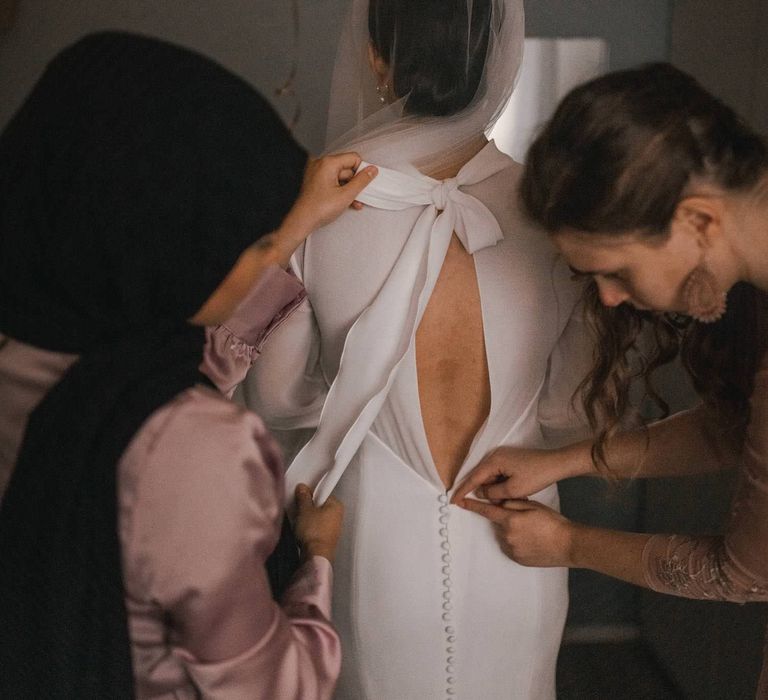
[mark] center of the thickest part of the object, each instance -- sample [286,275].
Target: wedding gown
[426,603]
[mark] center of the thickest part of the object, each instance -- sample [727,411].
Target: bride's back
[422,52]
[428,343]
[451,364]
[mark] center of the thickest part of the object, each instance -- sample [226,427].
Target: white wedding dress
[426,603]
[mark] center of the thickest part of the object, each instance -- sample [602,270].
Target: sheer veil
[384,133]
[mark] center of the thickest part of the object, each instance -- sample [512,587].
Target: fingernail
[480,492]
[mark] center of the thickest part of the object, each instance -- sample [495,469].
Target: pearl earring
[383,92]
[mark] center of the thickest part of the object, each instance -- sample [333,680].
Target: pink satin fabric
[200,506]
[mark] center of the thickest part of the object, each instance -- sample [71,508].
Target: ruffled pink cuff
[298,658]
[271,300]
[312,585]
[233,347]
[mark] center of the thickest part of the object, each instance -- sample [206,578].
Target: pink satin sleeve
[232,347]
[297,657]
[200,511]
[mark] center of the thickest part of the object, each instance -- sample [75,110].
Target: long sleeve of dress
[286,387]
[201,492]
[560,413]
[734,566]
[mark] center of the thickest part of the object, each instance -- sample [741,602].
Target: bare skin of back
[451,363]
[454,387]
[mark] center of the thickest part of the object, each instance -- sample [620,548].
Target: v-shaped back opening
[452,368]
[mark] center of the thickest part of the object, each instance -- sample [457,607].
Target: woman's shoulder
[198,438]
[202,410]
[201,482]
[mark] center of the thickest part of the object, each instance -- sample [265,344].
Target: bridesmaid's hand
[317,527]
[515,472]
[330,187]
[529,533]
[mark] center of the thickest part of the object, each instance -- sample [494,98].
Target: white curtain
[551,67]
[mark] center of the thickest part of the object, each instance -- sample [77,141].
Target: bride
[441,327]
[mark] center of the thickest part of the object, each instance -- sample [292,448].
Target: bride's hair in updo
[437,53]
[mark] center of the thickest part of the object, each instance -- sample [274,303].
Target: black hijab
[131,180]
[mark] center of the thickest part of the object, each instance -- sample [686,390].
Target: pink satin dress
[200,508]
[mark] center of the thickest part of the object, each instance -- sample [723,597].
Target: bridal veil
[386,134]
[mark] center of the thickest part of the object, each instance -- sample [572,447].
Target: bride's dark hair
[616,158]
[437,53]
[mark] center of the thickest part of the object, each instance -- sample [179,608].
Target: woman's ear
[700,217]
[379,66]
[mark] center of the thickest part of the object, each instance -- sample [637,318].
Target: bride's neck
[456,159]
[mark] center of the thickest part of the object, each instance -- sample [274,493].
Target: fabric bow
[473,223]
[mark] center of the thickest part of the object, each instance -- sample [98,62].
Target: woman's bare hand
[331,185]
[317,527]
[528,532]
[515,472]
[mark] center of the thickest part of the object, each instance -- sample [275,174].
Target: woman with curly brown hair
[659,193]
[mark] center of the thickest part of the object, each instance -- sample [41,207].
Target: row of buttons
[450,631]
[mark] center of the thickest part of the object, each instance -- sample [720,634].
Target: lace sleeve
[733,567]
[702,568]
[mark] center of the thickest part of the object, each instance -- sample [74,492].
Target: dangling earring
[383,92]
[704,300]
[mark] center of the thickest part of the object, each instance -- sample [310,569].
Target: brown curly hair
[616,158]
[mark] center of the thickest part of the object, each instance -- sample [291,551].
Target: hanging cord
[288,88]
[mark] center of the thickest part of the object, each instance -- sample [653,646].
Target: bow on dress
[380,337]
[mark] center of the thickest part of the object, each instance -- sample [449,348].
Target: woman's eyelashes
[578,275]
[620,275]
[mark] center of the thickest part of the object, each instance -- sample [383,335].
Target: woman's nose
[611,293]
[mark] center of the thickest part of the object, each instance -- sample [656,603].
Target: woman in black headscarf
[146,192]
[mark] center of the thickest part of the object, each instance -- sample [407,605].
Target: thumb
[303,496]
[361,180]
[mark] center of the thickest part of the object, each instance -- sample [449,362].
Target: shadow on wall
[252,38]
